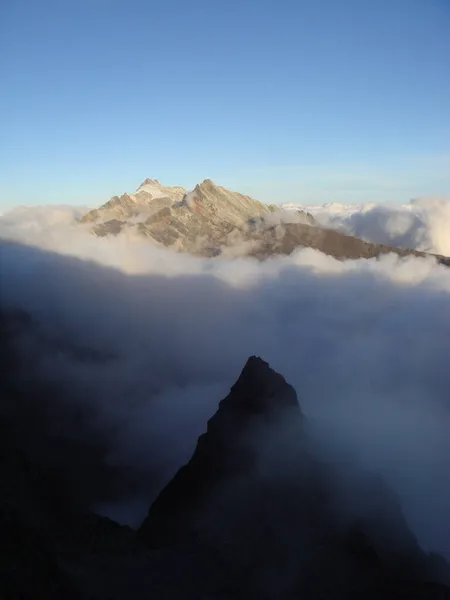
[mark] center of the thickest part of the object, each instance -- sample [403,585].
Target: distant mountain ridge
[149,197]
[208,217]
[211,221]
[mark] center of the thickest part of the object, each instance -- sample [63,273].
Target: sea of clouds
[365,343]
[423,224]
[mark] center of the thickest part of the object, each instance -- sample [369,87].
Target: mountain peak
[211,219]
[230,448]
[207,184]
[149,181]
[260,389]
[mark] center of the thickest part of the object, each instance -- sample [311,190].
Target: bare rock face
[192,222]
[200,222]
[130,209]
[227,451]
[252,515]
[255,502]
[291,236]
[212,221]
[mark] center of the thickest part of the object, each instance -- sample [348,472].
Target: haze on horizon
[298,101]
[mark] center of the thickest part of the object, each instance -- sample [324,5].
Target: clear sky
[289,100]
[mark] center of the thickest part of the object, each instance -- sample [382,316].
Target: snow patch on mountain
[155,190]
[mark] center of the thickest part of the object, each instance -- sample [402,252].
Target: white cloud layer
[424,224]
[366,344]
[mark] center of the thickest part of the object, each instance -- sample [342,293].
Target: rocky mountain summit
[213,221]
[149,196]
[255,501]
[253,514]
[225,454]
[203,221]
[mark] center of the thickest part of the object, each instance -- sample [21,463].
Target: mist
[364,343]
[423,224]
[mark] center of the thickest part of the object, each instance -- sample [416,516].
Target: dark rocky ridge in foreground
[251,515]
[225,453]
[255,499]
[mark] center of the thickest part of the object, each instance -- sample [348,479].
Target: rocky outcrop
[256,502]
[225,454]
[252,515]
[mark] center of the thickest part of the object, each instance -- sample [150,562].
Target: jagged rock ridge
[254,500]
[226,451]
[201,221]
[235,524]
[149,198]
[211,221]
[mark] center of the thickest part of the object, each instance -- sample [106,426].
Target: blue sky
[293,100]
